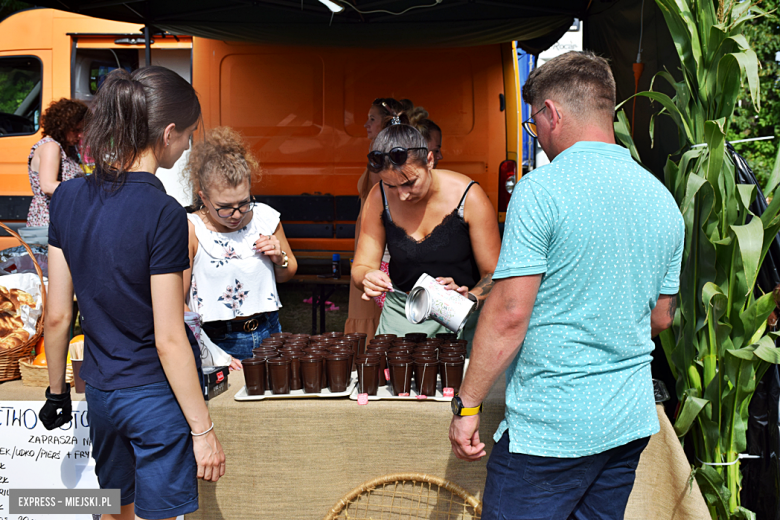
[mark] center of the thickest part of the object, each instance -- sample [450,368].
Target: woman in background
[432,134]
[238,250]
[364,315]
[55,158]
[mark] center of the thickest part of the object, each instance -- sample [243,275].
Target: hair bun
[416,115]
[227,141]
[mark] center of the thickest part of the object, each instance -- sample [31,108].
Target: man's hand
[209,456]
[464,436]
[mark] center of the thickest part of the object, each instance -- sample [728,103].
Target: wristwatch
[462,411]
[286,260]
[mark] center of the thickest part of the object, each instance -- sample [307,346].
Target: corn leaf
[689,412]
[774,178]
[623,134]
[751,240]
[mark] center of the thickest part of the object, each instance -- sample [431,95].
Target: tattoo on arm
[483,287]
[673,307]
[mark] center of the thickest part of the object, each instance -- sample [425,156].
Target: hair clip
[396,120]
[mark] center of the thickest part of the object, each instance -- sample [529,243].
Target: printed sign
[32,457]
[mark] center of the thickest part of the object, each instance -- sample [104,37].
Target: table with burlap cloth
[290,459]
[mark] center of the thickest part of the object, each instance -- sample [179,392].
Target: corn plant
[719,346]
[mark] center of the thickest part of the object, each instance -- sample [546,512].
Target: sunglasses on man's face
[397,156]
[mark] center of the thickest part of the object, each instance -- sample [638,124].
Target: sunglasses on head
[397,156]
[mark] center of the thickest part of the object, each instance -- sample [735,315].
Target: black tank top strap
[462,203]
[384,201]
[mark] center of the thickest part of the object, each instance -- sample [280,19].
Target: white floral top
[228,278]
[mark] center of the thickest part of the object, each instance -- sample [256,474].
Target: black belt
[243,324]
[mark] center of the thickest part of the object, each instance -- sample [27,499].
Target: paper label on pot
[387,373]
[446,306]
[362,399]
[448,392]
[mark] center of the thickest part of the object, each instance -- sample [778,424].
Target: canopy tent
[365,23]
[612,29]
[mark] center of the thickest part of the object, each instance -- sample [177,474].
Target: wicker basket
[406,496]
[9,358]
[35,375]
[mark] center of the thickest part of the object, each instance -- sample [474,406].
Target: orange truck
[301,109]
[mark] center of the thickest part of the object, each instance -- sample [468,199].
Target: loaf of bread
[12,333]
[15,339]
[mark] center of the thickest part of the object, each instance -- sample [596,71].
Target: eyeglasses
[530,125]
[397,156]
[229,211]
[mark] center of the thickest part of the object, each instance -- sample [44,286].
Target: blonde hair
[222,159]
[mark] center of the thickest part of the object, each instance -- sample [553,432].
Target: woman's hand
[209,456]
[235,364]
[270,246]
[375,283]
[450,285]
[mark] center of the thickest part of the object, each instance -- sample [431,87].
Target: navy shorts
[527,487]
[142,446]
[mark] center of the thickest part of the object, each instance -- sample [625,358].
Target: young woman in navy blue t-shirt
[120,243]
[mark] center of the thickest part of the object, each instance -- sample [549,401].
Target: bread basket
[9,358]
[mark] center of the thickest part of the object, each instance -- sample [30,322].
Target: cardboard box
[215,381]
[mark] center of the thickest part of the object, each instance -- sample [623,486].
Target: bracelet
[202,433]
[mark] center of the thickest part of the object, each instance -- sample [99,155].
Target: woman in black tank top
[433,221]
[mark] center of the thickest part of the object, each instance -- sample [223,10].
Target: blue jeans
[528,487]
[239,344]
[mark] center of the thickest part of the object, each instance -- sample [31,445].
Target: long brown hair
[130,113]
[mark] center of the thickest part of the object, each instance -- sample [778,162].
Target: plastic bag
[210,354]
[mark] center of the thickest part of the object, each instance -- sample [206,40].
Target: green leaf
[740,513]
[747,195]
[751,239]
[754,317]
[679,118]
[748,62]
[774,178]
[715,493]
[623,134]
[742,353]
[767,351]
[689,412]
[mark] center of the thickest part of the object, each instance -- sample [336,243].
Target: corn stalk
[719,346]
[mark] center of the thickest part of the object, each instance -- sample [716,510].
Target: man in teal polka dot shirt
[588,273]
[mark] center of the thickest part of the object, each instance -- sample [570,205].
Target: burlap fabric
[293,459]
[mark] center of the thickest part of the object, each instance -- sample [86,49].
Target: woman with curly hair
[54,159]
[238,250]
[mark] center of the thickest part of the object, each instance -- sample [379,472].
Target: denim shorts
[142,446]
[239,344]
[528,487]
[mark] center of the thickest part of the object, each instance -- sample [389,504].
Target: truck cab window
[20,95]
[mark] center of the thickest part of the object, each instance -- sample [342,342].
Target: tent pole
[148,46]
